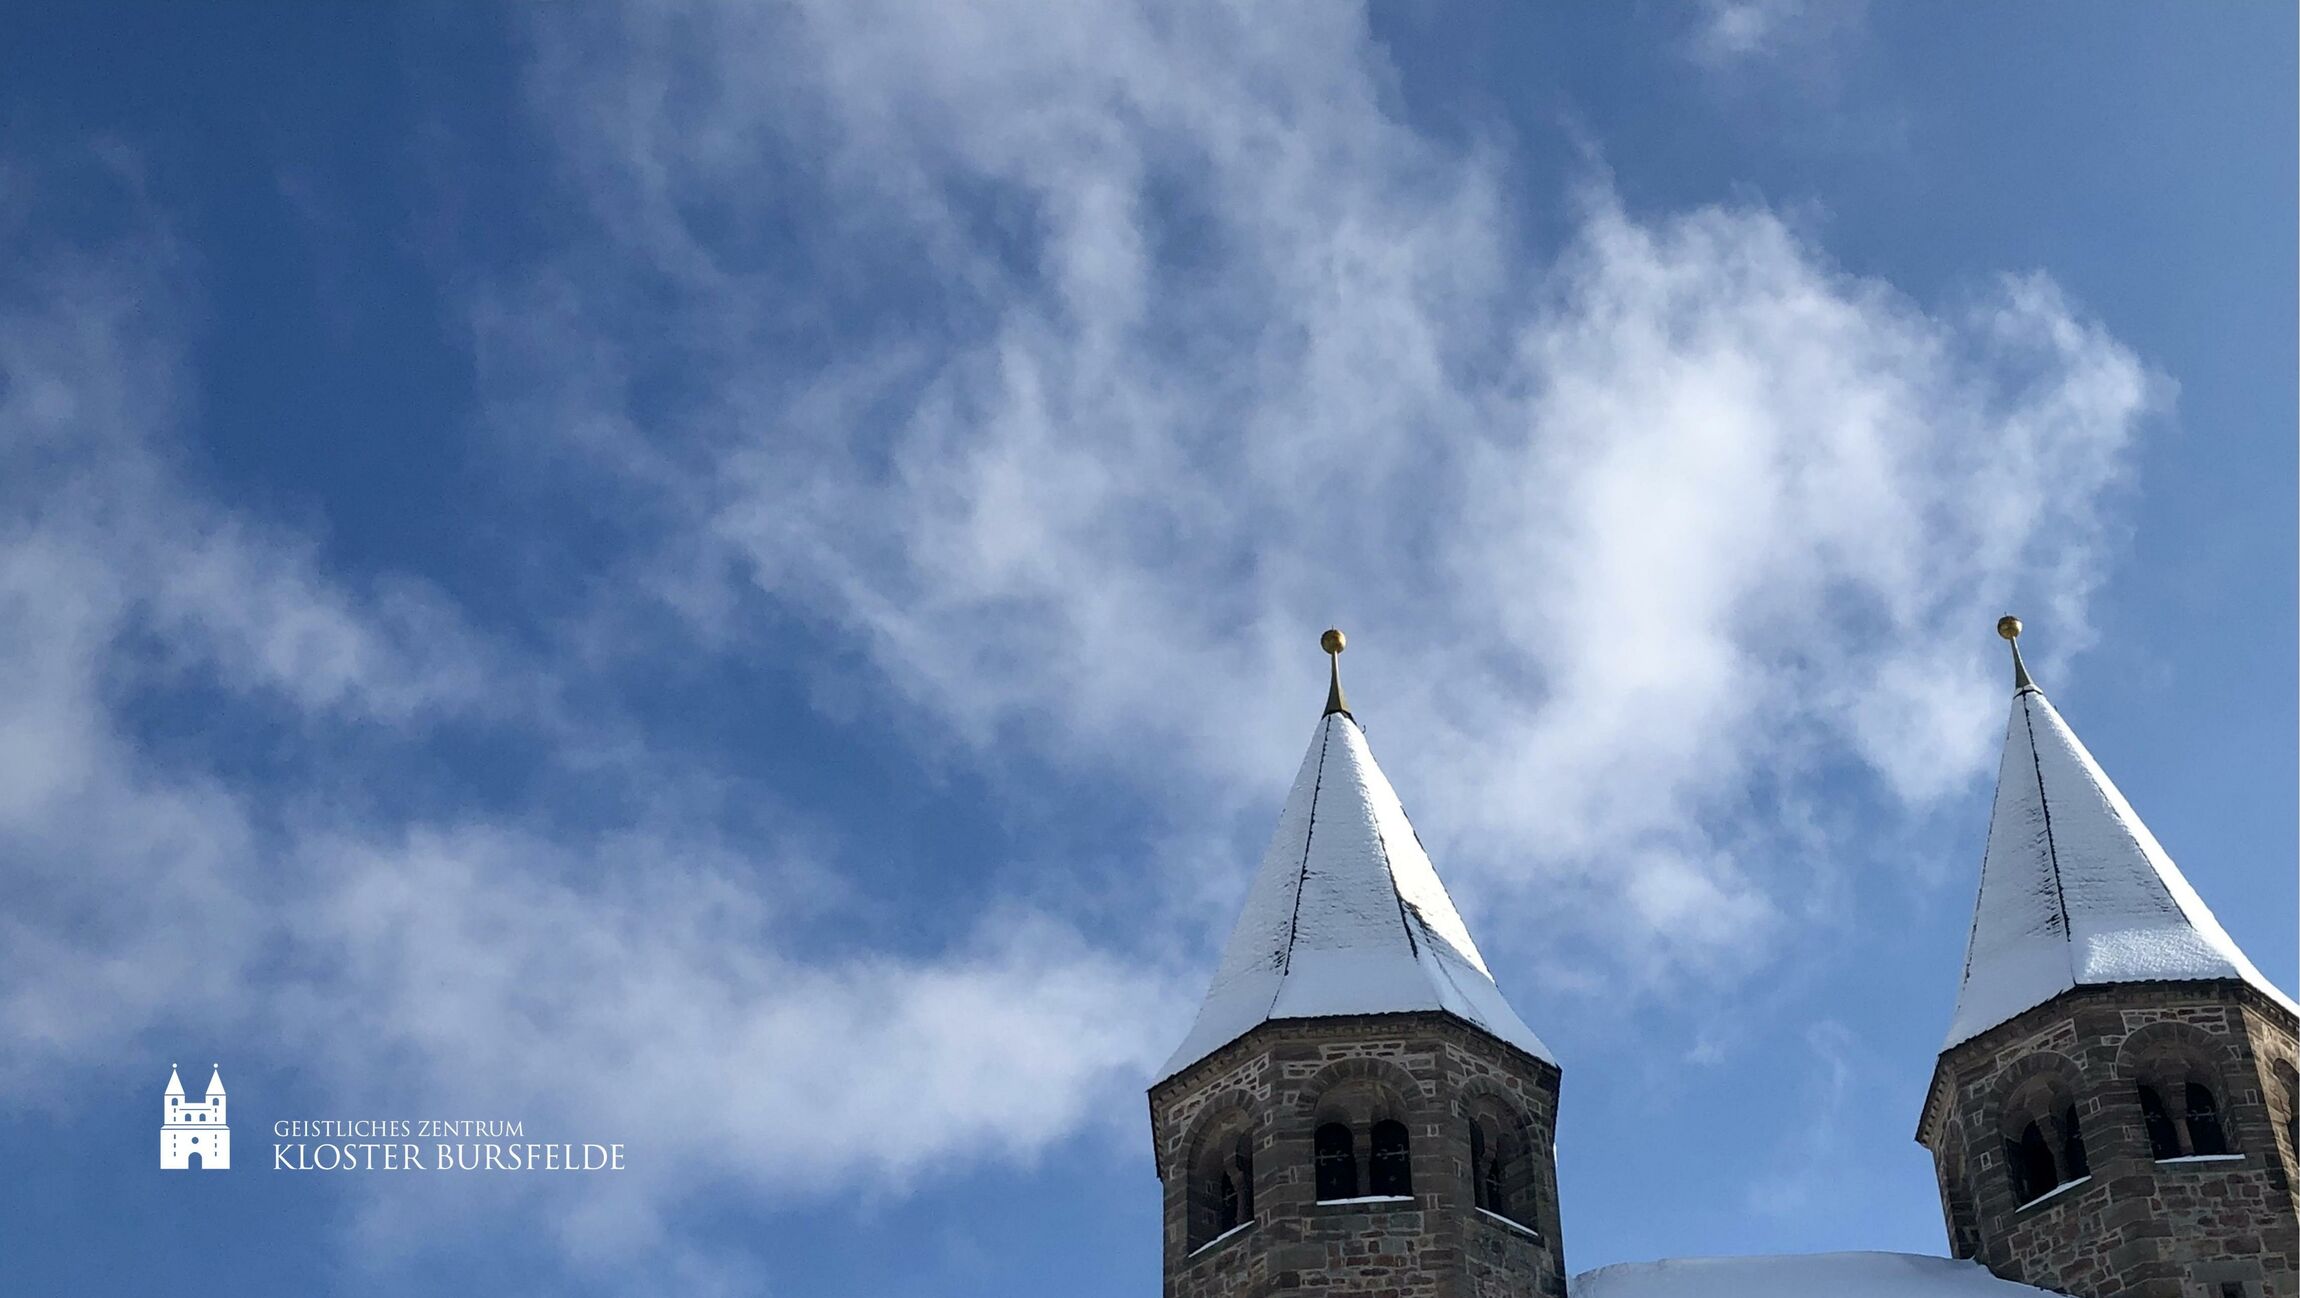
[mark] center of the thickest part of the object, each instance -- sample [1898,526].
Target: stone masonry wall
[2138,1227]
[1438,1244]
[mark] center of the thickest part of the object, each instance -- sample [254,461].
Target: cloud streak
[1202,345]
[1070,369]
[588,978]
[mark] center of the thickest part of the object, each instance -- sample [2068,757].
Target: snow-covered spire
[1347,915]
[175,1083]
[2074,889]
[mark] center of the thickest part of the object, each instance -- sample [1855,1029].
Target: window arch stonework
[1361,1117]
[2177,1082]
[1219,1185]
[2284,1106]
[2040,1128]
[1505,1157]
[1346,1082]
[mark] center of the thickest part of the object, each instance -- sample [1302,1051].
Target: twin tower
[1358,1110]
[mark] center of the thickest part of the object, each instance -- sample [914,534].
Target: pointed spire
[216,1082]
[175,1083]
[1333,642]
[2075,891]
[2008,626]
[1346,915]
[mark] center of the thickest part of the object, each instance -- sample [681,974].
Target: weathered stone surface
[2138,1226]
[1430,1068]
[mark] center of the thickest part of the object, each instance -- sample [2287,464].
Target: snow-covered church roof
[1346,915]
[1814,1275]
[2074,889]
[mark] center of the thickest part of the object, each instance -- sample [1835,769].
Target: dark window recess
[1489,1170]
[1390,1171]
[2072,1160]
[1243,1160]
[1337,1162]
[1221,1190]
[2232,1289]
[2163,1138]
[2030,1159]
[2204,1133]
[2292,1115]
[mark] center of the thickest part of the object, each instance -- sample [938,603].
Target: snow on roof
[1814,1275]
[2074,889]
[1346,916]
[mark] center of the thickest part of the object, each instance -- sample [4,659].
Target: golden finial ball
[1333,641]
[2008,626]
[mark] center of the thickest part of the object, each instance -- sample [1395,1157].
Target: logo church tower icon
[194,1135]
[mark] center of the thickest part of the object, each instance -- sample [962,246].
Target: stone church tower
[1357,1110]
[2117,1106]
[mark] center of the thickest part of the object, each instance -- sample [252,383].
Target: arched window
[1505,1169]
[1221,1186]
[2043,1141]
[2163,1137]
[2204,1133]
[2073,1163]
[1390,1170]
[2030,1161]
[1336,1154]
[1489,1169]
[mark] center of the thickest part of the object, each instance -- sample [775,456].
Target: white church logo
[194,1135]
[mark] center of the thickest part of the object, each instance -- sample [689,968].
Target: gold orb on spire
[1334,642]
[2008,626]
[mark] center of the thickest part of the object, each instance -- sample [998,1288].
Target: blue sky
[745,582]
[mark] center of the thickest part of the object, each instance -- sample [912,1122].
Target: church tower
[2117,1107]
[1357,1110]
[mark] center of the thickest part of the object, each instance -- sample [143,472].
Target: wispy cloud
[588,979]
[1101,355]
[1188,345]
[1730,33]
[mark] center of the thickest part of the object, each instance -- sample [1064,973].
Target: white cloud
[1111,354]
[1186,345]
[661,1007]
[1728,33]
[591,983]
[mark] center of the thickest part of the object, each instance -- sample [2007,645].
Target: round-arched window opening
[2205,1135]
[1504,1167]
[2073,1163]
[1334,1151]
[2043,1136]
[2163,1137]
[2033,1171]
[1219,1195]
[1390,1169]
